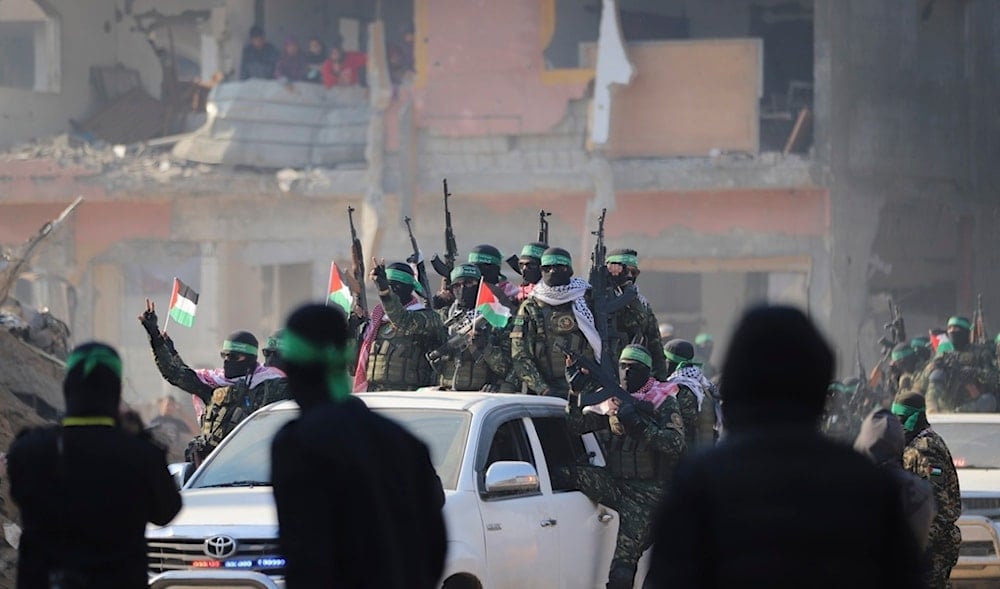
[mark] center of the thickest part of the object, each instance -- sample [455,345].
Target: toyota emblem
[220,547]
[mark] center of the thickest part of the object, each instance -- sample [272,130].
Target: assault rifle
[895,333]
[543,237]
[357,264]
[605,305]
[608,385]
[456,344]
[444,267]
[418,259]
[978,325]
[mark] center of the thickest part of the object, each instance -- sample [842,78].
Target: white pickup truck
[508,528]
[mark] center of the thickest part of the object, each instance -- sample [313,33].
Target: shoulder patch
[519,320]
[677,420]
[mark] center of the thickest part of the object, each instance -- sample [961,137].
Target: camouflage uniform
[947,392]
[482,364]
[226,405]
[397,357]
[639,467]
[928,457]
[536,361]
[637,324]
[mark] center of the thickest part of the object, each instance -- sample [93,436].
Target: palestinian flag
[338,293]
[941,344]
[183,304]
[490,307]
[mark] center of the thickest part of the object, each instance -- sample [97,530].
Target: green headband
[904,353]
[921,342]
[481,258]
[960,322]
[297,350]
[465,271]
[556,260]
[679,360]
[637,354]
[272,343]
[239,347]
[911,415]
[92,358]
[404,277]
[532,251]
[997,339]
[703,338]
[624,259]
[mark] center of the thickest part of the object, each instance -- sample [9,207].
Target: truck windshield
[243,459]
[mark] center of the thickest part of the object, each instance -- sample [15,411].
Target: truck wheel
[462,581]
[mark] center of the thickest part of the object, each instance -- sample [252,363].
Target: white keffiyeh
[573,292]
[693,378]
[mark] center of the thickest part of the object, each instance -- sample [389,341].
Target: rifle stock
[357,264]
[418,259]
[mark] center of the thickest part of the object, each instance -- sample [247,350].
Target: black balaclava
[488,259]
[465,285]
[402,290]
[93,383]
[634,367]
[272,350]
[530,262]
[239,354]
[911,410]
[960,333]
[628,258]
[776,371]
[317,354]
[557,267]
[678,352]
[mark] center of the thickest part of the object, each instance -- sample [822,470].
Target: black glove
[630,418]
[150,323]
[577,378]
[170,345]
[380,278]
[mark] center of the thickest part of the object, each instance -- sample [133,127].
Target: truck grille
[984,506]
[978,548]
[178,554]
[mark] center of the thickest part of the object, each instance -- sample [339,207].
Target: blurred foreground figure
[359,504]
[775,504]
[882,440]
[87,488]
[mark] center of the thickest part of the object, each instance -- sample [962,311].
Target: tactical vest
[632,459]
[557,325]
[467,373]
[397,361]
[229,406]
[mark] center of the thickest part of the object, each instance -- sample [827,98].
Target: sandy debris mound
[23,371]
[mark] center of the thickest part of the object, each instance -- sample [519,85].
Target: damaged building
[821,152]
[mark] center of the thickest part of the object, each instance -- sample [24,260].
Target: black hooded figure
[775,504]
[358,500]
[87,488]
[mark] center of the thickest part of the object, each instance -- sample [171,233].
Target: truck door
[520,529]
[587,531]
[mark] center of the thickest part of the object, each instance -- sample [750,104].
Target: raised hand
[149,320]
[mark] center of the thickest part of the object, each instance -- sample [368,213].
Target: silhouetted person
[359,504]
[259,57]
[775,504]
[881,439]
[87,488]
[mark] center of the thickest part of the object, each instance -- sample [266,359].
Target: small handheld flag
[338,292]
[183,304]
[489,306]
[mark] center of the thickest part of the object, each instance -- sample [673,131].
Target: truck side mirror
[509,476]
[181,472]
